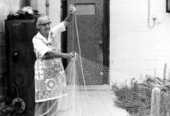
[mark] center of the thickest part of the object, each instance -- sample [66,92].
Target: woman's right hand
[72,54]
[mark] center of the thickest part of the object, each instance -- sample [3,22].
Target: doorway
[93,28]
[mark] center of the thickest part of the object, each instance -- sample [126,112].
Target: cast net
[81,99]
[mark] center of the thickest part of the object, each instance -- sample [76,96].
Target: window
[85,9]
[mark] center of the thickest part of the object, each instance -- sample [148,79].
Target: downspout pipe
[47,4]
[25,3]
[150,19]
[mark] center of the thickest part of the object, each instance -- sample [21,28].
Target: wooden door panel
[89,16]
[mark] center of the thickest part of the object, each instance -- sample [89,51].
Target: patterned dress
[50,82]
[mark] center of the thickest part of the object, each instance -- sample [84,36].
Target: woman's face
[44,25]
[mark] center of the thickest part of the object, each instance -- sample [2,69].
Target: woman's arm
[52,54]
[69,17]
[62,26]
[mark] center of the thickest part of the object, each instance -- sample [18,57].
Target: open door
[92,23]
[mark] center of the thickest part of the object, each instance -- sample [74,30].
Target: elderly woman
[50,82]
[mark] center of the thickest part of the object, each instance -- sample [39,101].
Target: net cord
[79,50]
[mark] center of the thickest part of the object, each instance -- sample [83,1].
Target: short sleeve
[59,28]
[39,46]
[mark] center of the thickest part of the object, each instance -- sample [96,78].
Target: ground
[96,101]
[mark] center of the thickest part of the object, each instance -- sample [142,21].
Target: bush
[136,99]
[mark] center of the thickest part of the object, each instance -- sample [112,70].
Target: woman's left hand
[72,9]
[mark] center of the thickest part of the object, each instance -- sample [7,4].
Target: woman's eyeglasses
[45,24]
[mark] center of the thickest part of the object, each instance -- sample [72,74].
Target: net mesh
[81,97]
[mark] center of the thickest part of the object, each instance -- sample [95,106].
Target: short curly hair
[37,17]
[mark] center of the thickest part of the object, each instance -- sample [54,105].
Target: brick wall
[136,49]
[54,9]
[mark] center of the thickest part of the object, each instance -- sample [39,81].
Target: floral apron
[50,80]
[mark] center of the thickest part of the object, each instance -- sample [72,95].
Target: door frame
[106,34]
[64,34]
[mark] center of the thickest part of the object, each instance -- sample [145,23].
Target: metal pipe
[24,3]
[149,16]
[47,4]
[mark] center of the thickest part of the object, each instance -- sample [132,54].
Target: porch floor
[96,101]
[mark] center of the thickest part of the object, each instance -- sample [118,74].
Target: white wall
[7,6]
[136,49]
[54,9]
